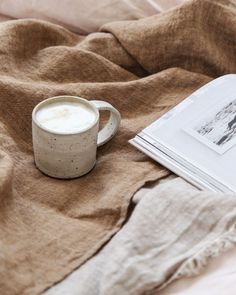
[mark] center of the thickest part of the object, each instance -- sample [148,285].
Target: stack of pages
[197,138]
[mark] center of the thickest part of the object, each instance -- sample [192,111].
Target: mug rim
[62,97]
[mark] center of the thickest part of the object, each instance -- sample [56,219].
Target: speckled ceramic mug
[71,154]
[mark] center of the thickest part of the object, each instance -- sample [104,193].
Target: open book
[197,138]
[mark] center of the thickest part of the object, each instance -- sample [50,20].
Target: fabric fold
[173,233]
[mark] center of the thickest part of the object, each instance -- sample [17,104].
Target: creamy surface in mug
[65,117]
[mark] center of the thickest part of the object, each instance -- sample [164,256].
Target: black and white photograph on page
[217,129]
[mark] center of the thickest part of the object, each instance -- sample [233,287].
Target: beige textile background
[48,227]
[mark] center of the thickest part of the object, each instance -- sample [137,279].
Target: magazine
[197,138]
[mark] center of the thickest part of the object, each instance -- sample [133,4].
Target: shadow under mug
[71,154]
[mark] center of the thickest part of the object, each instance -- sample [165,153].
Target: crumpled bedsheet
[84,16]
[133,262]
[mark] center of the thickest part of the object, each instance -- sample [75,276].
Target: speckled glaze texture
[71,155]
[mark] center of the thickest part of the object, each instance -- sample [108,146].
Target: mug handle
[112,125]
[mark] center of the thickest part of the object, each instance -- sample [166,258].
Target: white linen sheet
[100,275]
[218,278]
[84,16]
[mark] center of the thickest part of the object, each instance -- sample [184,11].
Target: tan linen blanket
[49,227]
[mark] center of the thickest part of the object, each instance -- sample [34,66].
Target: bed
[132,260]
